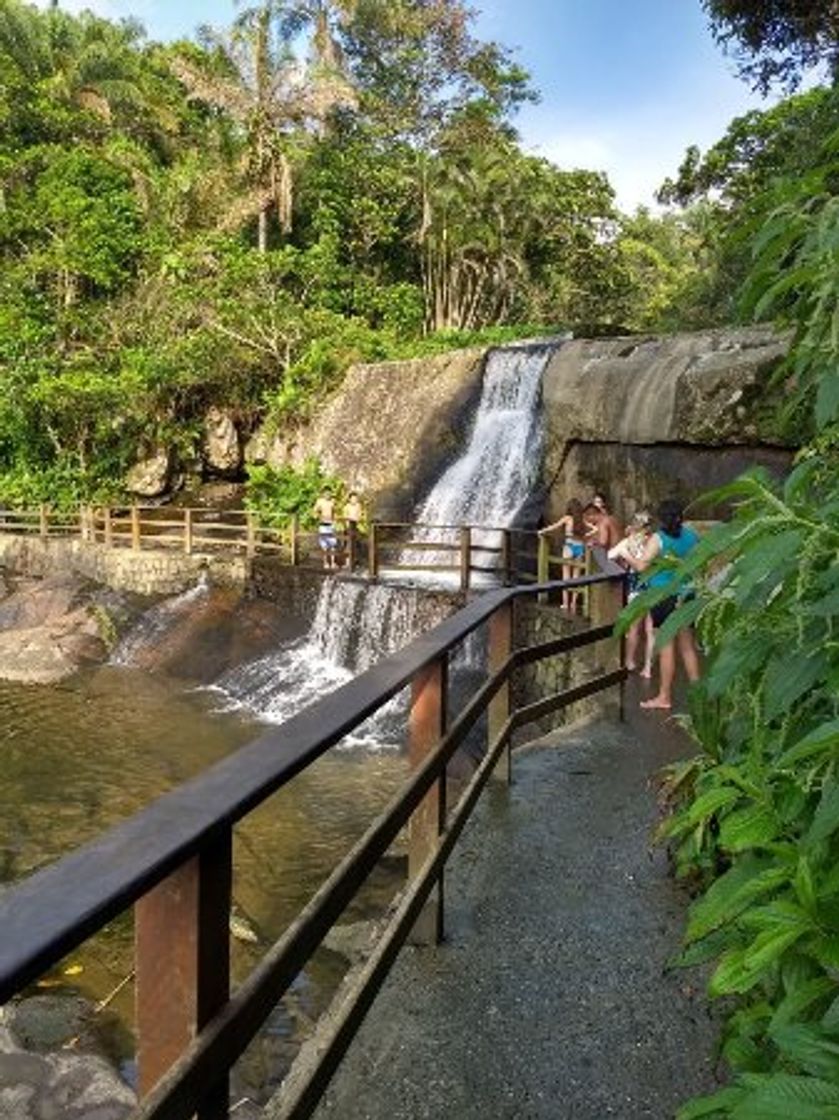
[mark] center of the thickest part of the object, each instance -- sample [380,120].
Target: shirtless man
[604,530]
[327,537]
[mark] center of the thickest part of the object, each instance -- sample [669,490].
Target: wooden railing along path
[173,861]
[514,555]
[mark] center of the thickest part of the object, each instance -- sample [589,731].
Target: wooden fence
[468,553]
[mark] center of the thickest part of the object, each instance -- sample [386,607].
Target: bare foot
[631,666]
[647,673]
[657,703]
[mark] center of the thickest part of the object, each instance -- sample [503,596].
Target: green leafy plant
[278,494]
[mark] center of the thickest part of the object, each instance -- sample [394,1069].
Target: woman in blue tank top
[672,539]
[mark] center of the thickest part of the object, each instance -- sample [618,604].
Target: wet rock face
[48,628]
[222,447]
[389,430]
[650,417]
[706,388]
[152,477]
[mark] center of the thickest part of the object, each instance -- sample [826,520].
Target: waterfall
[356,624]
[154,623]
[493,479]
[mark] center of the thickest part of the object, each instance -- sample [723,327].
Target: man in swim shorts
[327,535]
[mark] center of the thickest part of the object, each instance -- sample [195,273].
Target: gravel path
[549,999]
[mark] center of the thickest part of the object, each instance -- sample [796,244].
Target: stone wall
[144,572]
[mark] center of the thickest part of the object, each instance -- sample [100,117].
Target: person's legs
[689,652]
[667,672]
[567,596]
[649,646]
[633,636]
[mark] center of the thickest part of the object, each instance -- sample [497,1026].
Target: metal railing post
[507,556]
[500,648]
[109,529]
[135,528]
[465,557]
[188,532]
[543,564]
[182,960]
[426,727]
[294,547]
[373,551]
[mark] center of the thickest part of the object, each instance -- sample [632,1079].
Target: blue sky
[626,84]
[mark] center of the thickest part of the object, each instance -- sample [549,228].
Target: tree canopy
[778,40]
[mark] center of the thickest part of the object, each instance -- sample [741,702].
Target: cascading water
[491,482]
[356,624]
[156,621]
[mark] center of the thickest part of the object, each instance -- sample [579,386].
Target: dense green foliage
[756,815]
[234,220]
[778,40]
[277,495]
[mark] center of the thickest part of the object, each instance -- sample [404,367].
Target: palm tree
[272,96]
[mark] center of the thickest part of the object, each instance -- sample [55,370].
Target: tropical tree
[254,76]
[778,40]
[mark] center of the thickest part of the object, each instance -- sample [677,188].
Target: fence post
[109,529]
[188,531]
[465,557]
[294,547]
[426,727]
[82,522]
[44,520]
[135,527]
[373,551]
[543,564]
[182,960]
[500,648]
[507,556]
[250,534]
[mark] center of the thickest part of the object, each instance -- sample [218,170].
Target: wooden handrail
[167,859]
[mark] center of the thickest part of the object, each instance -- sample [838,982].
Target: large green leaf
[826,818]
[821,739]
[784,1096]
[715,1105]
[791,675]
[749,879]
[751,827]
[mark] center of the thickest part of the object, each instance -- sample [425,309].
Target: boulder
[48,628]
[151,477]
[222,447]
[34,1086]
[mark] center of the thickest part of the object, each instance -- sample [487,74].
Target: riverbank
[550,997]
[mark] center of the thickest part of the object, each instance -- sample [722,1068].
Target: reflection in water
[79,757]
